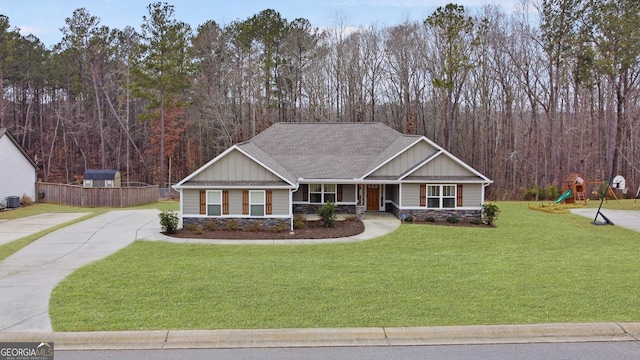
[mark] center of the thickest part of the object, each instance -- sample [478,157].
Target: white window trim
[441,196]
[213,203]
[323,192]
[263,204]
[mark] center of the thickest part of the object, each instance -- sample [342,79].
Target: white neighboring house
[17,169]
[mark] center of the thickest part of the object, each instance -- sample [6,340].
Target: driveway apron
[28,277]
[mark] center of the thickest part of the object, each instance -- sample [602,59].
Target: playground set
[574,193]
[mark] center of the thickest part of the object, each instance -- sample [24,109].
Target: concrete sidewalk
[28,276]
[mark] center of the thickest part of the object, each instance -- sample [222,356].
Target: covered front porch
[349,198]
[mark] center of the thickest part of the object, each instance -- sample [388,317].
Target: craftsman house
[293,168]
[18,171]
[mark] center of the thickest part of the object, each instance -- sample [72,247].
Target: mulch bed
[313,230]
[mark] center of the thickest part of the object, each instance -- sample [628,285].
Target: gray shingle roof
[326,150]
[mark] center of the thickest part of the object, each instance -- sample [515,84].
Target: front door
[373,197]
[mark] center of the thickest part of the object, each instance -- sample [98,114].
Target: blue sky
[44,18]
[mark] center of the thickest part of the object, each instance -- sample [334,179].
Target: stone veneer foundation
[240,223]
[439,215]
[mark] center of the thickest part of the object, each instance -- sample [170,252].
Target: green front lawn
[533,268]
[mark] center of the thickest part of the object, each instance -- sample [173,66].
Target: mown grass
[9,249]
[532,268]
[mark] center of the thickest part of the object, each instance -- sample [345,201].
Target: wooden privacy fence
[75,195]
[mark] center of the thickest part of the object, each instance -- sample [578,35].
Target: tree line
[526,97]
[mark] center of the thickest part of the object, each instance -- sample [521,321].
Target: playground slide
[564,196]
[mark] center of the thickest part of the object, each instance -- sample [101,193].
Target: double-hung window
[322,193]
[256,202]
[214,203]
[441,196]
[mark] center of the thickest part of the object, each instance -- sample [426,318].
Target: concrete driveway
[623,218]
[28,276]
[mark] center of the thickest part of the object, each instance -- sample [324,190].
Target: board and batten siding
[471,195]
[407,160]
[279,200]
[17,174]
[236,166]
[442,166]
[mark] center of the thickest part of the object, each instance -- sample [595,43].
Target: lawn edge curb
[334,337]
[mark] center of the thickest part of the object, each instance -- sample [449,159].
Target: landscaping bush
[490,213]
[430,219]
[233,224]
[26,200]
[475,222]
[253,226]
[328,214]
[212,225]
[168,221]
[299,221]
[280,228]
[452,220]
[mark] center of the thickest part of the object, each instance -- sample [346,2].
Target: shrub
[253,226]
[168,221]
[281,227]
[328,214]
[233,224]
[452,220]
[190,227]
[430,219]
[26,200]
[299,221]
[198,229]
[475,222]
[490,213]
[212,225]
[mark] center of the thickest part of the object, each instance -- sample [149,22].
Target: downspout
[291,191]
[179,190]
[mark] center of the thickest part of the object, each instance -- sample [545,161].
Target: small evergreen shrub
[490,213]
[168,221]
[430,219]
[452,220]
[475,222]
[328,214]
